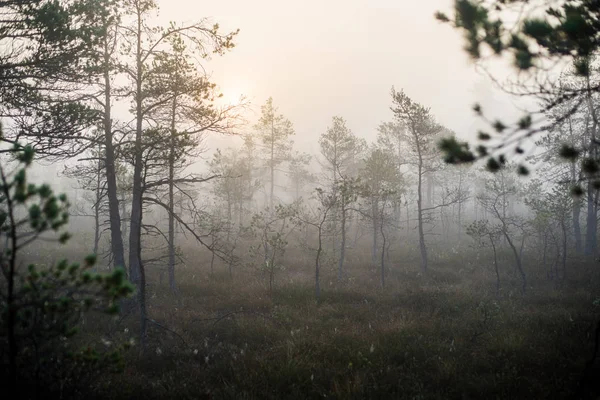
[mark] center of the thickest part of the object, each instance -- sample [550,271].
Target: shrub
[41,307]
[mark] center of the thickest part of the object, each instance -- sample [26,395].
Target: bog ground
[446,335]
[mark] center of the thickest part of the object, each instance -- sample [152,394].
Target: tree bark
[422,245]
[317,266]
[516,254]
[382,249]
[125,234]
[272,165]
[375,216]
[592,210]
[592,224]
[116,239]
[576,214]
[495,264]
[460,202]
[343,245]
[136,271]
[172,282]
[97,205]
[429,184]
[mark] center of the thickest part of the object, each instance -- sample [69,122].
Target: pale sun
[232,95]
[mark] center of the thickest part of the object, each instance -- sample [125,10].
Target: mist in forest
[267,199]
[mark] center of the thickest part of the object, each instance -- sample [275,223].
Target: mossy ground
[446,334]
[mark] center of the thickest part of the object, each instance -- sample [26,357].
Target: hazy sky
[320,58]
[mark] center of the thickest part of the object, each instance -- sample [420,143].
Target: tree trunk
[517,258]
[422,245]
[172,283]
[343,245]
[124,226]
[272,166]
[116,239]
[592,223]
[375,216]
[592,211]
[495,264]
[428,191]
[577,225]
[10,271]
[317,266]
[382,248]
[135,232]
[576,215]
[97,204]
[460,201]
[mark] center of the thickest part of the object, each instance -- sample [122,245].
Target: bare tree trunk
[577,225]
[172,283]
[429,185]
[97,205]
[343,245]
[382,247]
[592,210]
[142,305]
[11,248]
[375,216]
[592,222]
[495,264]
[124,222]
[135,232]
[318,265]
[422,245]
[517,258]
[576,215]
[460,201]
[272,165]
[116,239]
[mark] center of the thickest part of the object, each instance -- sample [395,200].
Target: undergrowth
[444,335]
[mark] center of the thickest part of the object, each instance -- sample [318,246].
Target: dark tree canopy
[47,57]
[546,40]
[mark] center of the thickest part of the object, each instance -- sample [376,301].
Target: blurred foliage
[42,307]
[545,34]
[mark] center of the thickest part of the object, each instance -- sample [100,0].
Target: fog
[337,201]
[342,60]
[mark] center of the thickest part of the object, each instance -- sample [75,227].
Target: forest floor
[442,335]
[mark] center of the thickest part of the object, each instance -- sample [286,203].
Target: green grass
[445,335]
